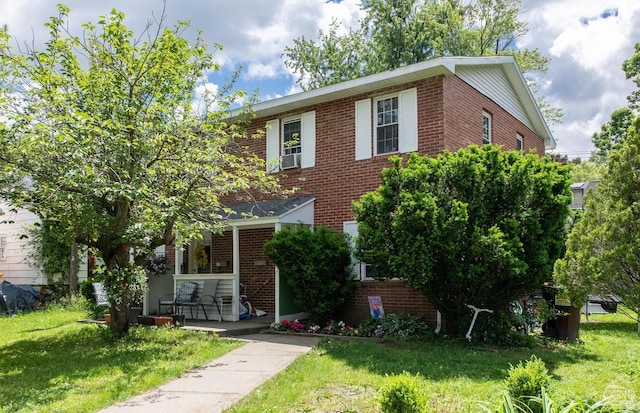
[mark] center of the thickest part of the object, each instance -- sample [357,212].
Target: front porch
[236,258]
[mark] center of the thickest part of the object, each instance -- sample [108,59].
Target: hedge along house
[332,144]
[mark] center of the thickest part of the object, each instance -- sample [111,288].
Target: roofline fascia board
[405,74]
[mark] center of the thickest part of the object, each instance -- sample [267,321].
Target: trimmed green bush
[527,380]
[317,266]
[403,393]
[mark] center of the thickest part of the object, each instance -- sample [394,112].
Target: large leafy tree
[631,69]
[396,33]
[479,226]
[603,249]
[101,133]
[614,132]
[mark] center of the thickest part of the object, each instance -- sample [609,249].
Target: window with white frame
[387,131]
[519,141]
[386,124]
[291,142]
[3,248]
[291,137]
[486,128]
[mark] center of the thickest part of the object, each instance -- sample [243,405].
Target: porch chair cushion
[186,292]
[102,300]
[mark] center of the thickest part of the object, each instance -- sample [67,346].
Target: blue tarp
[16,298]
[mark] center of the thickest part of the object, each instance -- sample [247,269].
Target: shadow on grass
[44,370]
[441,359]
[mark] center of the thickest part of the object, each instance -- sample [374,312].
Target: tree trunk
[74,265]
[118,258]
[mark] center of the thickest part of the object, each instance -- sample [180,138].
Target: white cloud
[584,77]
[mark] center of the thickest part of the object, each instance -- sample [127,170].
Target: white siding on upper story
[492,82]
[13,225]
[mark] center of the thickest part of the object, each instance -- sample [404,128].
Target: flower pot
[146,320]
[163,321]
[107,318]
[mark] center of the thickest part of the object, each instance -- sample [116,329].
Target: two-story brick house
[332,144]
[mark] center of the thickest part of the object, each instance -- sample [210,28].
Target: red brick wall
[463,108]
[449,117]
[258,278]
[222,251]
[396,297]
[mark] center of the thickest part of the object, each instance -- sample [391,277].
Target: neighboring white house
[579,190]
[14,249]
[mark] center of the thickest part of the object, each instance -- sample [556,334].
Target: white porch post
[236,273]
[277,228]
[178,258]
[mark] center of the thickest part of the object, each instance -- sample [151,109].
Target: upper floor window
[486,128]
[387,125]
[519,140]
[292,137]
[291,142]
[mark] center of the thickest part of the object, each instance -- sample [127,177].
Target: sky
[586,40]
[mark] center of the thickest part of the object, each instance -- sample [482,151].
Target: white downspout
[438,322]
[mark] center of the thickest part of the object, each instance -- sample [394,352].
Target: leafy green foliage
[603,255]
[400,326]
[397,33]
[614,132]
[317,265]
[479,226]
[584,171]
[611,134]
[46,251]
[631,69]
[545,404]
[528,379]
[105,137]
[403,393]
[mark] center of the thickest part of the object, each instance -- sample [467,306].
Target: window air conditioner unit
[290,161]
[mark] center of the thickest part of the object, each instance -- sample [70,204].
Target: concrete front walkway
[225,380]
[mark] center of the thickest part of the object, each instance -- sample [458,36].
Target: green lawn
[51,363]
[345,375]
